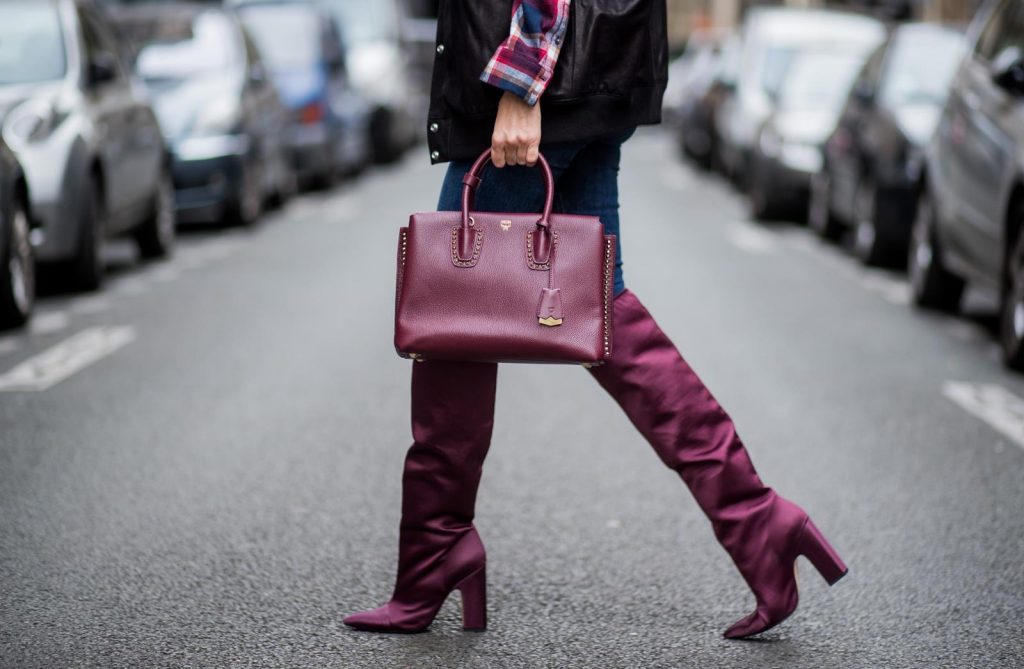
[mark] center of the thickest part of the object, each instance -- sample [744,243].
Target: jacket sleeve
[525,62]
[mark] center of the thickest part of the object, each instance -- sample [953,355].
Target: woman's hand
[516,138]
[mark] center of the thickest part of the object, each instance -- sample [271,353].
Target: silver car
[88,141]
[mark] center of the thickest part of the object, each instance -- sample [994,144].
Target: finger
[521,153]
[510,155]
[497,155]
[532,152]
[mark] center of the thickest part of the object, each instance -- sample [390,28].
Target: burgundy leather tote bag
[504,287]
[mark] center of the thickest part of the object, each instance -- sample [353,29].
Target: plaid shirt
[525,62]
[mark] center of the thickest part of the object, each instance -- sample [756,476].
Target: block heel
[825,559]
[474,600]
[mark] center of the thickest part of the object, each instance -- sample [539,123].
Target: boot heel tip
[839,577]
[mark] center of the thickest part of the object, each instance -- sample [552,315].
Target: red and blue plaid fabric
[525,62]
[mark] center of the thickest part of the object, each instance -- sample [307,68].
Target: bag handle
[473,179]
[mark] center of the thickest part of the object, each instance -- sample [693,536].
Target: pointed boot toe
[753,624]
[375,620]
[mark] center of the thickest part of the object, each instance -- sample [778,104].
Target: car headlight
[221,117]
[32,121]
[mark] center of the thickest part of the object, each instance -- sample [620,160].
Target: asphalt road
[215,483]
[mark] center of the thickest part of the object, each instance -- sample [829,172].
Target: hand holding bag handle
[542,242]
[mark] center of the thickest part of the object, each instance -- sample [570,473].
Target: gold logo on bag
[505,225]
[550,321]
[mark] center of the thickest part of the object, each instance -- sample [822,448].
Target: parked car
[770,38]
[873,158]
[328,130]
[17,261]
[218,108]
[380,71]
[89,143]
[970,218]
[789,145]
[695,90]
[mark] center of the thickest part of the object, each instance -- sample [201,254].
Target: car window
[186,47]
[288,36]
[31,42]
[99,38]
[1005,29]
[920,67]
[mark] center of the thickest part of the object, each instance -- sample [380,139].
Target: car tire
[155,237]
[868,245]
[819,210]
[932,285]
[1011,329]
[761,204]
[385,148]
[85,270]
[17,268]
[248,203]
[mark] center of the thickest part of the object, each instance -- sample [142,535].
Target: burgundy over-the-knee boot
[439,550]
[762,532]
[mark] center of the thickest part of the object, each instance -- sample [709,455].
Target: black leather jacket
[610,76]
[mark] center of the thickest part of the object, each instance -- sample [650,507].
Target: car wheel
[759,198]
[819,211]
[1012,320]
[86,268]
[385,149]
[248,203]
[932,285]
[18,278]
[155,237]
[868,245]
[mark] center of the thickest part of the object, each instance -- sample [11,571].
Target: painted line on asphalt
[746,237]
[49,322]
[992,403]
[72,355]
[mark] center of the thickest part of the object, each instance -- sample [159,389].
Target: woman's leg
[689,430]
[452,416]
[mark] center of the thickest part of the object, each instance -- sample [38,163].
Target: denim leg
[590,186]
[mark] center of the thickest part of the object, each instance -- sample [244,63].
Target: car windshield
[773,71]
[819,82]
[363,21]
[182,47]
[31,42]
[287,36]
[920,68]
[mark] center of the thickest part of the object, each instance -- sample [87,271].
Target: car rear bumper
[206,185]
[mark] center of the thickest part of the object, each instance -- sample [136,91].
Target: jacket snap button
[434,127]
[434,155]
[440,49]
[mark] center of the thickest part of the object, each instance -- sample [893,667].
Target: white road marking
[49,322]
[748,238]
[89,305]
[992,403]
[72,355]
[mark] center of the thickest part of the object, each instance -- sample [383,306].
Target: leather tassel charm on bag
[550,310]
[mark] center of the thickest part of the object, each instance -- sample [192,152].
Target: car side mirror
[102,68]
[1008,70]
